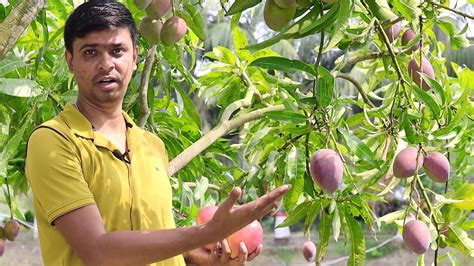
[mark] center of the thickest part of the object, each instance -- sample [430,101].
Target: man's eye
[118,50]
[89,52]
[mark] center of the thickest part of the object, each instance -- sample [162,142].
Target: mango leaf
[354,236]
[313,212]
[9,64]
[408,8]
[241,5]
[295,167]
[428,99]
[336,224]
[324,235]
[283,64]
[19,87]
[359,148]
[189,106]
[286,116]
[391,217]
[345,11]
[460,240]
[297,214]
[194,20]
[324,87]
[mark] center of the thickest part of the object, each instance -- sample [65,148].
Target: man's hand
[229,217]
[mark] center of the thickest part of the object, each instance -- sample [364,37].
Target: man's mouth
[107,80]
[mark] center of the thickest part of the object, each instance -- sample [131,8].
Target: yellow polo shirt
[69,165]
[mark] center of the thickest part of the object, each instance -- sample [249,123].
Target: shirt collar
[81,126]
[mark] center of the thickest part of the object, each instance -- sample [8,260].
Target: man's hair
[96,16]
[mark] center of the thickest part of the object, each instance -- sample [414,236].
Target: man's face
[103,63]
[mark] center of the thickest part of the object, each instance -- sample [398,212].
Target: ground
[25,251]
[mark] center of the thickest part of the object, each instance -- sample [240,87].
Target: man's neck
[102,118]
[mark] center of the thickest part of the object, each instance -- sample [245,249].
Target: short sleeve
[53,170]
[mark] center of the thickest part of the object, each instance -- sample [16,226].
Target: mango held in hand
[173,30]
[251,234]
[276,17]
[416,236]
[11,230]
[309,251]
[326,170]
[414,70]
[437,167]
[405,163]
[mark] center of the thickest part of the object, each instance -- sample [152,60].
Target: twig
[205,141]
[357,85]
[451,9]
[144,108]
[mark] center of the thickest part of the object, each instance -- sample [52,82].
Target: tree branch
[357,85]
[16,23]
[144,108]
[223,128]
[451,9]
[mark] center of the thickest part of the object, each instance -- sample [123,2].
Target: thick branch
[144,108]
[223,128]
[451,9]
[357,85]
[16,23]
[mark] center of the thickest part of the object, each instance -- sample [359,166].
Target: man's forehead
[109,37]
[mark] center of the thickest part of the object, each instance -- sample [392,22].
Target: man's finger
[243,253]
[254,254]
[230,201]
[225,251]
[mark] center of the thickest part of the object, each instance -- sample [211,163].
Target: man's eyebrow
[94,45]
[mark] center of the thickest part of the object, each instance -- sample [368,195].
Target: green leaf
[336,224]
[295,167]
[381,10]
[297,214]
[460,240]
[353,231]
[19,87]
[189,106]
[194,20]
[324,235]
[428,99]
[324,87]
[286,116]
[283,64]
[241,5]
[359,148]
[345,11]
[9,64]
[312,213]
[408,8]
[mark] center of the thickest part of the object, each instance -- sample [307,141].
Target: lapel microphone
[120,156]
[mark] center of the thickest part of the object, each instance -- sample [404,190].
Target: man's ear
[68,57]
[135,57]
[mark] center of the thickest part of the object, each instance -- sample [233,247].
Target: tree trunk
[16,23]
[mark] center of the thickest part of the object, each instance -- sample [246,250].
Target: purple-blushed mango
[142,4]
[309,251]
[276,17]
[405,163]
[327,169]
[416,236]
[11,230]
[414,70]
[407,37]
[437,167]
[393,31]
[285,3]
[150,29]
[173,30]
[158,8]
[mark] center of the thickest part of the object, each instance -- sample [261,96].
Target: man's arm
[83,229]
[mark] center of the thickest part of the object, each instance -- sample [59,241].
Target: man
[100,185]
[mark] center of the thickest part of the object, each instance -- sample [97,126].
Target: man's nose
[106,63]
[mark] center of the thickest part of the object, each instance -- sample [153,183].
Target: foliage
[364,106]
